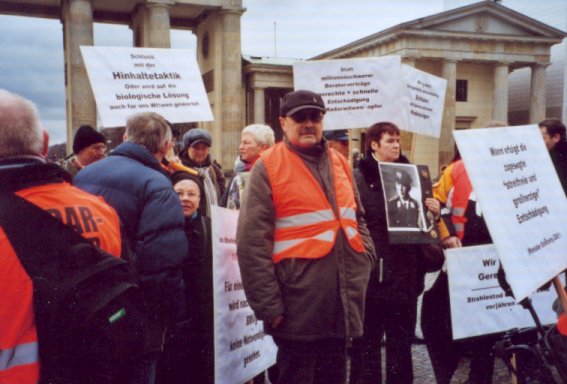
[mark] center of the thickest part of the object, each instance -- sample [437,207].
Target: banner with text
[522,201]
[131,80]
[423,96]
[242,350]
[478,304]
[357,92]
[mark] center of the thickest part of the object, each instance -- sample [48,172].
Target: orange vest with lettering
[95,220]
[306,225]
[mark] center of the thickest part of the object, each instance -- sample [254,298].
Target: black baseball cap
[295,101]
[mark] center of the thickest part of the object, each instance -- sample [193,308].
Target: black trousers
[445,353]
[397,321]
[311,362]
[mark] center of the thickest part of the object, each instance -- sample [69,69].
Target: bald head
[20,128]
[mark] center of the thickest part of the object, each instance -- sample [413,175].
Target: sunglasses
[307,114]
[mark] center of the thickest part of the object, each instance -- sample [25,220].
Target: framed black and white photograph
[406,186]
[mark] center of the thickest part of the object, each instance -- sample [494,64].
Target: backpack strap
[35,234]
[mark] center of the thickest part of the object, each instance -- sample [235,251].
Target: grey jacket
[319,298]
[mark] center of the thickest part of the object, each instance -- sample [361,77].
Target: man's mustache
[307,131]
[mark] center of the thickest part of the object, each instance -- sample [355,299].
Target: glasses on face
[307,114]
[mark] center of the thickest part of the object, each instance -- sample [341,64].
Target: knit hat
[195,136]
[85,136]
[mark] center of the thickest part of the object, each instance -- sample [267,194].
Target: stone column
[537,93]
[232,111]
[500,93]
[151,24]
[77,19]
[259,106]
[446,141]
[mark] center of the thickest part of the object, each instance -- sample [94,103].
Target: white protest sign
[478,304]
[357,92]
[242,350]
[130,80]
[522,201]
[423,98]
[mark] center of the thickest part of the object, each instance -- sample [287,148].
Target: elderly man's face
[303,129]
[92,153]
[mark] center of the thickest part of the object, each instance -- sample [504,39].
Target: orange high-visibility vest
[462,189]
[306,225]
[95,220]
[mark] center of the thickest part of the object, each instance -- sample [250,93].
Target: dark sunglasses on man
[307,114]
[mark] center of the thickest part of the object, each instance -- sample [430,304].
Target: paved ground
[423,372]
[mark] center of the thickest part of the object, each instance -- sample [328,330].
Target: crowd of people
[317,265]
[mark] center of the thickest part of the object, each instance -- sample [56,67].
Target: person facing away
[398,279]
[254,139]
[89,146]
[195,154]
[189,351]
[24,171]
[303,248]
[132,180]
[553,133]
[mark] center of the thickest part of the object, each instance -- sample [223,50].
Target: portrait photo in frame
[406,186]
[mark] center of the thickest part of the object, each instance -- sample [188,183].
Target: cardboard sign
[131,80]
[478,304]
[405,188]
[242,350]
[521,199]
[357,92]
[423,96]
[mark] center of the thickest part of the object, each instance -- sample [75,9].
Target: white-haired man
[132,181]
[24,172]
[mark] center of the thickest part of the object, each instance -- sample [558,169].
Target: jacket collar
[139,153]
[17,174]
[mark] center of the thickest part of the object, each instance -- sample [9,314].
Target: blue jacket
[130,180]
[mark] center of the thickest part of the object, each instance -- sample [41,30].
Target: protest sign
[357,92]
[242,350]
[423,98]
[478,304]
[131,80]
[521,199]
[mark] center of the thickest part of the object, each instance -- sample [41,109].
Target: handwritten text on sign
[242,350]
[522,201]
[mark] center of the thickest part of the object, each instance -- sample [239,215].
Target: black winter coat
[400,271]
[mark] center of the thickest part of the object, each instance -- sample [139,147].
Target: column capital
[540,65]
[159,3]
[232,11]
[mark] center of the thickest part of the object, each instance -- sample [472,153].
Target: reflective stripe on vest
[462,189]
[22,354]
[306,225]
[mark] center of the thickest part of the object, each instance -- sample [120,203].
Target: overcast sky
[31,54]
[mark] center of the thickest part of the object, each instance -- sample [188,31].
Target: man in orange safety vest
[304,250]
